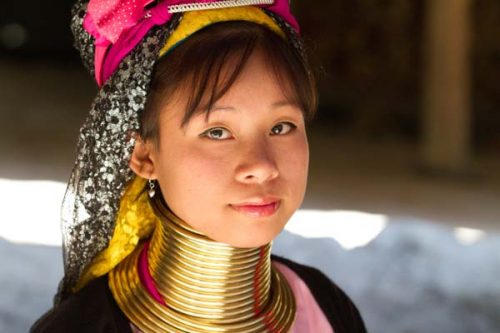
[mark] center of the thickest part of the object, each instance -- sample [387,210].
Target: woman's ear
[142,160]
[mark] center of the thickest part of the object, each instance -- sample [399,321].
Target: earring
[152,188]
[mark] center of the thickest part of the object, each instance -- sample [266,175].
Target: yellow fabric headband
[194,21]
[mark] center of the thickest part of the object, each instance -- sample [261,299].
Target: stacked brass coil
[207,286]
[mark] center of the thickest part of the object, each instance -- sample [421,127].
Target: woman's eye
[217,133]
[283,128]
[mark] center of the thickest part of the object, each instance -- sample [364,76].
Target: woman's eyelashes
[221,133]
[283,128]
[217,133]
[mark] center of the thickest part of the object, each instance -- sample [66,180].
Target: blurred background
[404,187]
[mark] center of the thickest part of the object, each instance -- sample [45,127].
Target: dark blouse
[93,309]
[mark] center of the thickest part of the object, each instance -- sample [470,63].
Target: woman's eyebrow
[291,105]
[275,105]
[222,108]
[283,103]
[217,108]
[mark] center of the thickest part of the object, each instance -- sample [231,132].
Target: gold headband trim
[187,7]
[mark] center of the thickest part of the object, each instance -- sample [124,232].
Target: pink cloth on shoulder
[310,317]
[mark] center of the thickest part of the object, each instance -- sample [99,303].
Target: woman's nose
[258,164]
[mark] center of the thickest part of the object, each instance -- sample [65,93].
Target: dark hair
[197,65]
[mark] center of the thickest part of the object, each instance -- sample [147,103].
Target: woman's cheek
[297,170]
[295,157]
[203,175]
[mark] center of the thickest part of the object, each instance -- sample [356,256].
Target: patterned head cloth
[119,42]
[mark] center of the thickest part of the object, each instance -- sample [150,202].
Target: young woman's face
[240,175]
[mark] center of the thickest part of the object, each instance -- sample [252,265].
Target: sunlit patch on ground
[468,236]
[351,229]
[32,215]
[31,211]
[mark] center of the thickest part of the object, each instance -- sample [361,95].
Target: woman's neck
[206,279]
[201,285]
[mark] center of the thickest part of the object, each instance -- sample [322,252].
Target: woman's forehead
[211,101]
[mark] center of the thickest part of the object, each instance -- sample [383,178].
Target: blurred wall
[368,54]
[35,28]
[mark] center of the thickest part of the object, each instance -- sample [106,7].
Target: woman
[192,160]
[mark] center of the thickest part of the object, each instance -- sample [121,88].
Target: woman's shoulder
[92,309]
[336,305]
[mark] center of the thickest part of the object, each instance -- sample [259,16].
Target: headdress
[105,212]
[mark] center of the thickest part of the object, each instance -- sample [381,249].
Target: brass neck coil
[207,286]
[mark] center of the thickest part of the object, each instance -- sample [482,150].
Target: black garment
[93,309]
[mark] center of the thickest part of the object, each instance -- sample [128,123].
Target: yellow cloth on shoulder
[135,221]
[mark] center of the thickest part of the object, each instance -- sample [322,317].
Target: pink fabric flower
[106,20]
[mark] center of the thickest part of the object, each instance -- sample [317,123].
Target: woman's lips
[254,210]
